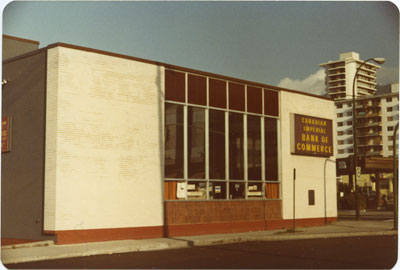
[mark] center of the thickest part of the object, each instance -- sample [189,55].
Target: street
[372,252]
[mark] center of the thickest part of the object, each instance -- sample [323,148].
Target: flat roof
[169,66]
[21,39]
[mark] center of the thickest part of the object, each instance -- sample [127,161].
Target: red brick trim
[97,235]
[14,241]
[215,228]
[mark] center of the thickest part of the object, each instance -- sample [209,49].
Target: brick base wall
[183,218]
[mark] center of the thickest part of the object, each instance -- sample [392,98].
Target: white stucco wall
[103,142]
[309,170]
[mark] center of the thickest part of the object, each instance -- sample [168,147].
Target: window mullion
[245,167]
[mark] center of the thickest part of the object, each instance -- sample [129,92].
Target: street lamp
[378,60]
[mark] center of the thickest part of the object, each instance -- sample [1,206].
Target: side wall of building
[13,46]
[22,174]
[104,155]
[309,170]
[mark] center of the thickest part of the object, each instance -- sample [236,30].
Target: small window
[350,141]
[340,124]
[350,150]
[340,133]
[390,118]
[349,123]
[389,99]
[340,142]
[390,138]
[340,115]
[389,109]
[350,131]
[349,113]
[311,197]
[339,106]
[341,151]
[390,147]
[390,128]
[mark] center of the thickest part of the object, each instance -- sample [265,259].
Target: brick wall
[190,212]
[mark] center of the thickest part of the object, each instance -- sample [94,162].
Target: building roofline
[355,60]
[21,39]
[368,97]
[168,66]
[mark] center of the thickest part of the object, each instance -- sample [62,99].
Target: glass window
[236,170]
[196,143]
[339,106]
[389,109]
[340,124]
[197,190]
[254,190]
[217,144]
[349,113]
[217,93]
[217,190]
[271,103]
[236,190]
[389,128]
[254,147]
[271,149]
[173,156]
[254,99]
[236,96]
[197,92]
[349,123]
[174,190]
[388,99]
[174,86]
[272,191]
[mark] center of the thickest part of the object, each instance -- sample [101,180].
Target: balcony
[369,134]
[368,115]
[371,143]
[369,124]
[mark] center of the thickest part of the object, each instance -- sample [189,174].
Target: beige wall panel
[309,170]
[109,142]
[51,139]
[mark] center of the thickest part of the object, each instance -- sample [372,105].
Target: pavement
[47,250]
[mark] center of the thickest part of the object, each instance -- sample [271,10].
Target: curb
[83,250]
[31,244]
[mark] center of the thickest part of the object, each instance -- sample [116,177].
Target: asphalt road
[372,252]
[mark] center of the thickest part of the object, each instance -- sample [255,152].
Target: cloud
[313,84]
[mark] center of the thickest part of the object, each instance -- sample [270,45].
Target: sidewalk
[47,250]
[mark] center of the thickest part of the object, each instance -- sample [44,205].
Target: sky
[272,42]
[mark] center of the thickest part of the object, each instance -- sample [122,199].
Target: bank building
[99,146]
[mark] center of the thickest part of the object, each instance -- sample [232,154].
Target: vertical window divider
[245,167]
[263,156]
[278,131]
[185,136]
[227,154]
[207,152]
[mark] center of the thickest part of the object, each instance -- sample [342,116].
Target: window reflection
[271,149]
[217,144]
[173,141]
[196,143]
[254,147]
[236,170]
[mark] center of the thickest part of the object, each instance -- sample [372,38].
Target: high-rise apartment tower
[340,75]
